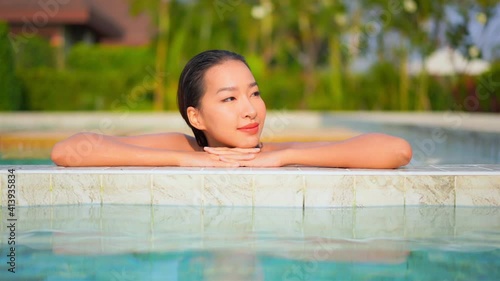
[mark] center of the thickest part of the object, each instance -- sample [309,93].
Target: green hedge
[49,89]
[489,89]
[34,52]
[99,58]
[10,93]
[95,78]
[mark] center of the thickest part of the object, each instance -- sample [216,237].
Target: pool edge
[301,187]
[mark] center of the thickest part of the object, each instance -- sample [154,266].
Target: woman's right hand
[218,157]
[227,154]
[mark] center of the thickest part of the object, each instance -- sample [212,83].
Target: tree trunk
[161,53]
[335,61]
[403,81]
[309,59]
[423,102]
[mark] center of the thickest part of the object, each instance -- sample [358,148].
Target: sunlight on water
[185,243]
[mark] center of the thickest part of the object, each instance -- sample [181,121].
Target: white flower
[410,6]
[261,11]
[258,12]
[474,52]
[481,18]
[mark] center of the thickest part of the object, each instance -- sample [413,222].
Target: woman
[219,99]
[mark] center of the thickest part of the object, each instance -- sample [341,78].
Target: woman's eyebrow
[253,84]
[226,89]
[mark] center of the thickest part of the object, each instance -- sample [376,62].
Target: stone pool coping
[301,187]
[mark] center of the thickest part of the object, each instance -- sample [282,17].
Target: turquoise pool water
[26,162]
[424,264]
[113,242]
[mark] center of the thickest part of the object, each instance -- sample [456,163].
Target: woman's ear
[195,119]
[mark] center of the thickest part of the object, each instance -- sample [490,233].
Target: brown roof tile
[20,11]
[110,18]
[137,29]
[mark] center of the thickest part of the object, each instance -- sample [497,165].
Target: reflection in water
[58,250]
[431,264]
[221,265]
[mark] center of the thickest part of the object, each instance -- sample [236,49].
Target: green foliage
[301,56]
[10,95]
[281,91]
[377,91]
[440,94]
[488,89]
[50,89]
[98,58]
[96,78]
[467,93]
[33,52]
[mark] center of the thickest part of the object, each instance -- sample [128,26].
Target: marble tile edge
[304,171]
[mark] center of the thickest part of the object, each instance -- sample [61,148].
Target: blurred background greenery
[316,55]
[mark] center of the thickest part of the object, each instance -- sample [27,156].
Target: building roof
[138,29]
[447,61]
[108,18]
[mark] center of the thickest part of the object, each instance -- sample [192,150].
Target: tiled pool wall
[301,187]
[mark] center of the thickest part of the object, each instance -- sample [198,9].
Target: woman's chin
[249,144]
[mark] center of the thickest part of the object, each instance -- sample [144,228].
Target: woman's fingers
[236,158]
[229,164]
[200,159]
[228,157]
[230,161]
[265,159]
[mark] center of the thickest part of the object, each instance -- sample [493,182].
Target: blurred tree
[160,12]
[333,20]
[418,24]
[312,33]
[303,54]
[469,11]
[10,92]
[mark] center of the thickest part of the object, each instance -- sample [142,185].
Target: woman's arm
[90,149]
[167,149]
[376,151]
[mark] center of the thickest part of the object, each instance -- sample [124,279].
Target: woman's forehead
[232,71]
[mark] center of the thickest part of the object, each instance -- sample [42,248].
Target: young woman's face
[231,113]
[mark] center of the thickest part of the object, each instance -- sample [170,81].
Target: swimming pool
[133,242]
[408,224]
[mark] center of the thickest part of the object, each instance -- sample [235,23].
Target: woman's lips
[252,128]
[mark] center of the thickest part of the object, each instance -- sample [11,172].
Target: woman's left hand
[249,157]
[265,159]
[227,154]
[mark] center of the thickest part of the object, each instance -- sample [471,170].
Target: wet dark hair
[192,87]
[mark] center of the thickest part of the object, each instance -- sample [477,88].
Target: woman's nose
[248,109]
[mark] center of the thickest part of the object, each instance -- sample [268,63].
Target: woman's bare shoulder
[170,141]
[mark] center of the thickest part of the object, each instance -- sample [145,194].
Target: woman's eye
[228,99]
[256,94]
